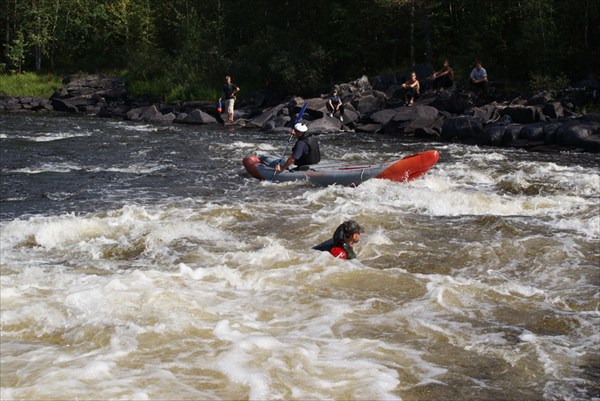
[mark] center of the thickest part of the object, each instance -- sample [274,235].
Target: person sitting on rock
[334,104]
[478,77]
[411,89]
[443,78]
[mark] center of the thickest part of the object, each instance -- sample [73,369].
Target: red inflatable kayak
[324,174]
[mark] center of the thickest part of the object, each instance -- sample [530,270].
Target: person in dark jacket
[306,150]
[341,244]
[334,105]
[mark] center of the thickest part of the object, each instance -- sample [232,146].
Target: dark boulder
[533,132]
[324,125]
[367,105]
[485,113]
[454,102]
[493,134]
[383,117]
[154,115]
[522,114]
[266,116]
[197,116]
[583,132]
[465,129]
[108,87]
[553,110]
[512,134]
[350,115]
[63,105]
[550,130]
[407,120]
[369,128]
[427,132]
[38,103]
[12,104]
[540,99]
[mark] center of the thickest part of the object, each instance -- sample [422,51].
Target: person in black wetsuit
[345,236]
[306,150]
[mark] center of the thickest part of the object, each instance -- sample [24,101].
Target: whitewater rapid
[137,264]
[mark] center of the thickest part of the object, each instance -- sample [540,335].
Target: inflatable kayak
[324,174]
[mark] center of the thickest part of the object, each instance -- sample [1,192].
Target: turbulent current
[137,264]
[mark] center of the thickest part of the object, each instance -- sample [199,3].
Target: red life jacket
[338,252]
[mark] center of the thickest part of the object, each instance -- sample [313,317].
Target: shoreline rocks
[540,121]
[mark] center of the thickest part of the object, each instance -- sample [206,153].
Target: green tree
[15,52]
[298,46]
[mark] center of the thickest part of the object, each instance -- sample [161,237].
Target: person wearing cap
[341,244]
[306,150]
[334,104]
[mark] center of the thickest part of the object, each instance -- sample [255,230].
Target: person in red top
[341,245]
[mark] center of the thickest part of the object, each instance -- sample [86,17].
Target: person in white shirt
[479,78]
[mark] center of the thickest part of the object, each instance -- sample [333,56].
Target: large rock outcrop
[542,121]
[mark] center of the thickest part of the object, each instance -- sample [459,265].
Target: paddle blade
[304,106]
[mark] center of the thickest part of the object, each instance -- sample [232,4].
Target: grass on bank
[170,90]
[29,84]
[163,88]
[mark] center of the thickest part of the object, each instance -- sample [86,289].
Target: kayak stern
[250,163]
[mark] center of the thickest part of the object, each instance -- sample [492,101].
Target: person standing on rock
[229,91]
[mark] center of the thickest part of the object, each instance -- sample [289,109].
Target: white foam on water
[130,229]
[135,127]
[190,299]
[297,341]
[132,169]
[69,167]
[273,330]
[436,194]
[260,147]
[50,168]
[50,136]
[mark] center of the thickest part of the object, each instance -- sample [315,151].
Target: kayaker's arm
[288,163]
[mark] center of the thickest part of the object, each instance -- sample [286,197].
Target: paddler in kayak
[345,236]
[306,150]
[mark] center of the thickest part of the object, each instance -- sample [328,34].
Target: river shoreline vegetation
[29,84]
[181,49]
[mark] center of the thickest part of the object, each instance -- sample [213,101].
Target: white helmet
[300,127]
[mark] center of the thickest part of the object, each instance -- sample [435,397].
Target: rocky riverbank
[541,121]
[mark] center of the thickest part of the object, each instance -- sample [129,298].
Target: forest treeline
[185,47]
